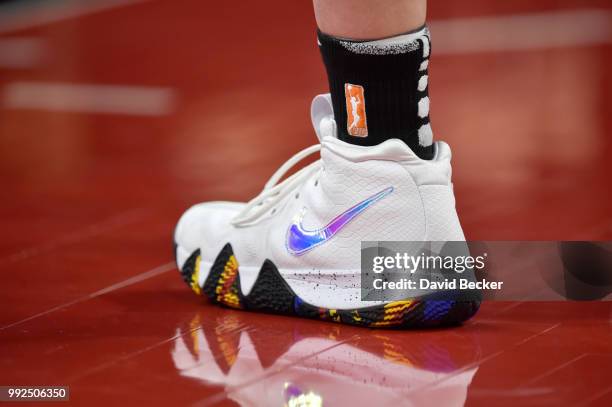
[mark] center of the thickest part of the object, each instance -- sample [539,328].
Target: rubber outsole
[271,294]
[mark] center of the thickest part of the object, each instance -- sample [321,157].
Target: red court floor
[115,116]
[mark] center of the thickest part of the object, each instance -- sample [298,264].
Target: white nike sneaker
[295,249]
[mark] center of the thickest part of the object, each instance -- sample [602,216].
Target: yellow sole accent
[230,271]
[195,277]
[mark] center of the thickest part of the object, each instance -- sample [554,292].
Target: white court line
[20,17]
[79,235]
[451,36]
[454,36]
[164,268]
[522,31]
[551,371]
[89,98]
[553,29]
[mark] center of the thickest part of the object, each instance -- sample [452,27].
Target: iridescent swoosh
[300,240]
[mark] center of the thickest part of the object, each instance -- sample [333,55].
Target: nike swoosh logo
[300,240]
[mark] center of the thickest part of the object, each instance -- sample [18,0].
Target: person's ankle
[379,89]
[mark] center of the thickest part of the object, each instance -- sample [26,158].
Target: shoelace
[274,192]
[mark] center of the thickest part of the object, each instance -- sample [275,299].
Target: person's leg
[376,53]
[369,19]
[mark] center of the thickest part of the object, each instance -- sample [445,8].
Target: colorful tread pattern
[271,294]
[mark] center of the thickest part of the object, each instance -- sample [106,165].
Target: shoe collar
[389,150]
[424,172]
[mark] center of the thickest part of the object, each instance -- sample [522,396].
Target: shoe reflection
[302,363]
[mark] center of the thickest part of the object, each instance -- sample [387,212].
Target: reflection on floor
[318,365]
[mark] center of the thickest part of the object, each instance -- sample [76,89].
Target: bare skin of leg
[369,19]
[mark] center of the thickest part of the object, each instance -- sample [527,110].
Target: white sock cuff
[399,44]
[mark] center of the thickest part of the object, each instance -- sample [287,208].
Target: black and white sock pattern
[380,89]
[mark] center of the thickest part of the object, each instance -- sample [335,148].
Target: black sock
[390,76]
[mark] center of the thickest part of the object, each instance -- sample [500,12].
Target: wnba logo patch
[356,122]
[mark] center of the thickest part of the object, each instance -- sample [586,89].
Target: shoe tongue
[322,116]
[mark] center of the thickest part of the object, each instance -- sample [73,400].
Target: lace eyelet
[297,196]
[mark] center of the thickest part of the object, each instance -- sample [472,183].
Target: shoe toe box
[204,226]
